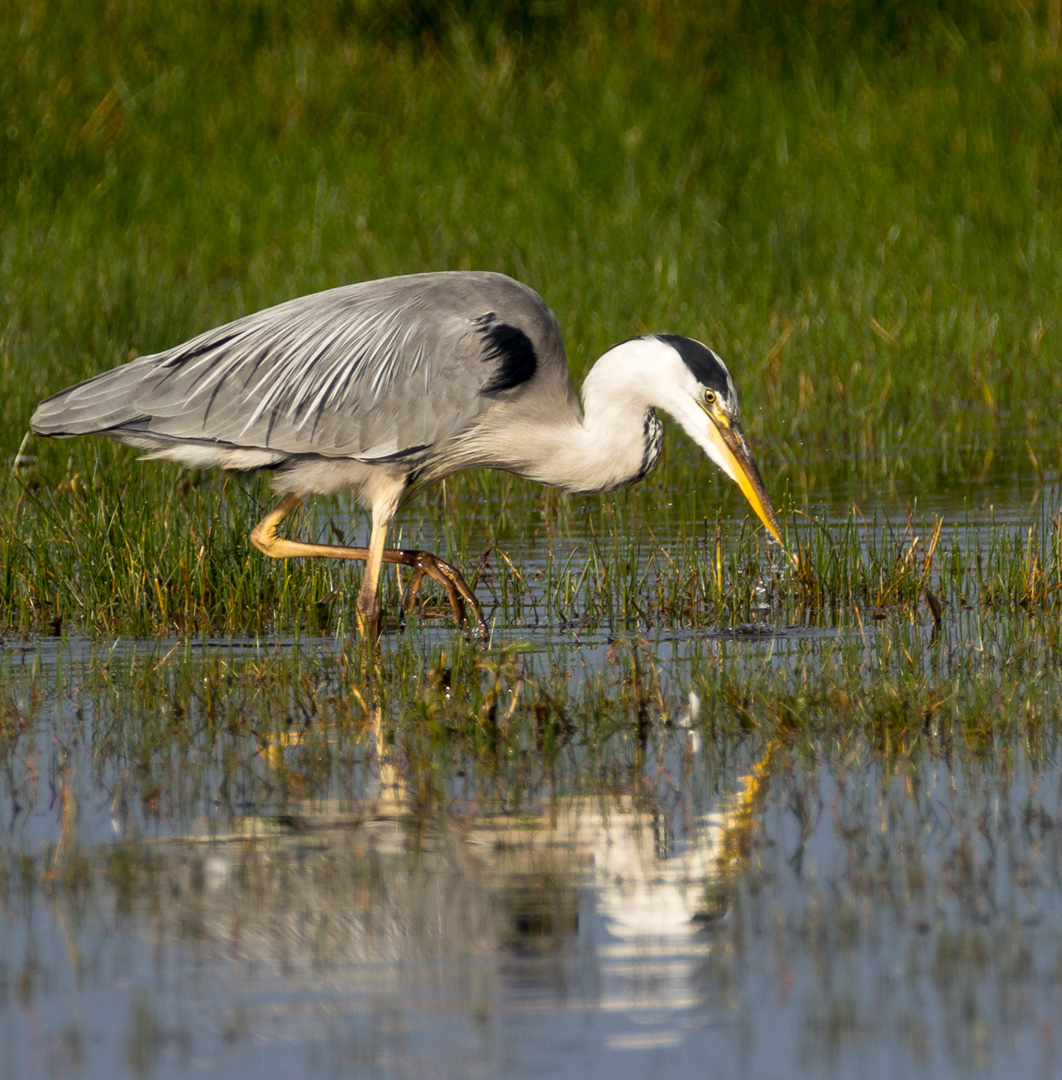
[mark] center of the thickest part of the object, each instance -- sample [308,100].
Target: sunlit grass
[146,549]
[867,233]
[181,730]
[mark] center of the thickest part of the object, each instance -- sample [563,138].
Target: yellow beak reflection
[732,448]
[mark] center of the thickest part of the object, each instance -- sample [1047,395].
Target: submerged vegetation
[884,802]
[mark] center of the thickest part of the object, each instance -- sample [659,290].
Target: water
[216,862]
[824,915]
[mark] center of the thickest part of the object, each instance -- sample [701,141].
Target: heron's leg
[368,597]
[265,537]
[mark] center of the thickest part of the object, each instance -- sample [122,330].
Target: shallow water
[820,913]
[214,862]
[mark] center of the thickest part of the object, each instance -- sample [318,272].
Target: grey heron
[388,386]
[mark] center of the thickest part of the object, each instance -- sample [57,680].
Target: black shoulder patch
[707,368]
[509,350]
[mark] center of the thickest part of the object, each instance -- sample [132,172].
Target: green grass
[181,732]
[87,556]
[859,210]
[857,204]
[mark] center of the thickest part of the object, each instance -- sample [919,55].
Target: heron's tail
[103,405]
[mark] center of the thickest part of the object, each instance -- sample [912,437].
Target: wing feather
[375,369]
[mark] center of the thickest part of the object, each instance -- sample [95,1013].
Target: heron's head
[701,396]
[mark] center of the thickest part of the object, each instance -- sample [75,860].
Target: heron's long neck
[615,441]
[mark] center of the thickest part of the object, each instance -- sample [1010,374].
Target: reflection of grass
[864,226]
[180,733]
[901,801]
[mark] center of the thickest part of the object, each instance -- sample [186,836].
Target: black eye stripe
[707,368]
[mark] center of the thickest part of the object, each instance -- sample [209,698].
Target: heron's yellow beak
[729,441]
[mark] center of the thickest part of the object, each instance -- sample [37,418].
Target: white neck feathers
[616,439]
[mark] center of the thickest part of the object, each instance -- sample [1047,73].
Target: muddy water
[187,890]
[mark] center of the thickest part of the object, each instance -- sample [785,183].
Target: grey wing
[378,370]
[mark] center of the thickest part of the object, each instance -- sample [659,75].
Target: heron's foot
[424,563]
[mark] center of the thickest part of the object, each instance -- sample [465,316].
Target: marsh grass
[906,821]
[865,227]
[143,550]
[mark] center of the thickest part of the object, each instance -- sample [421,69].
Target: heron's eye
[709,397]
